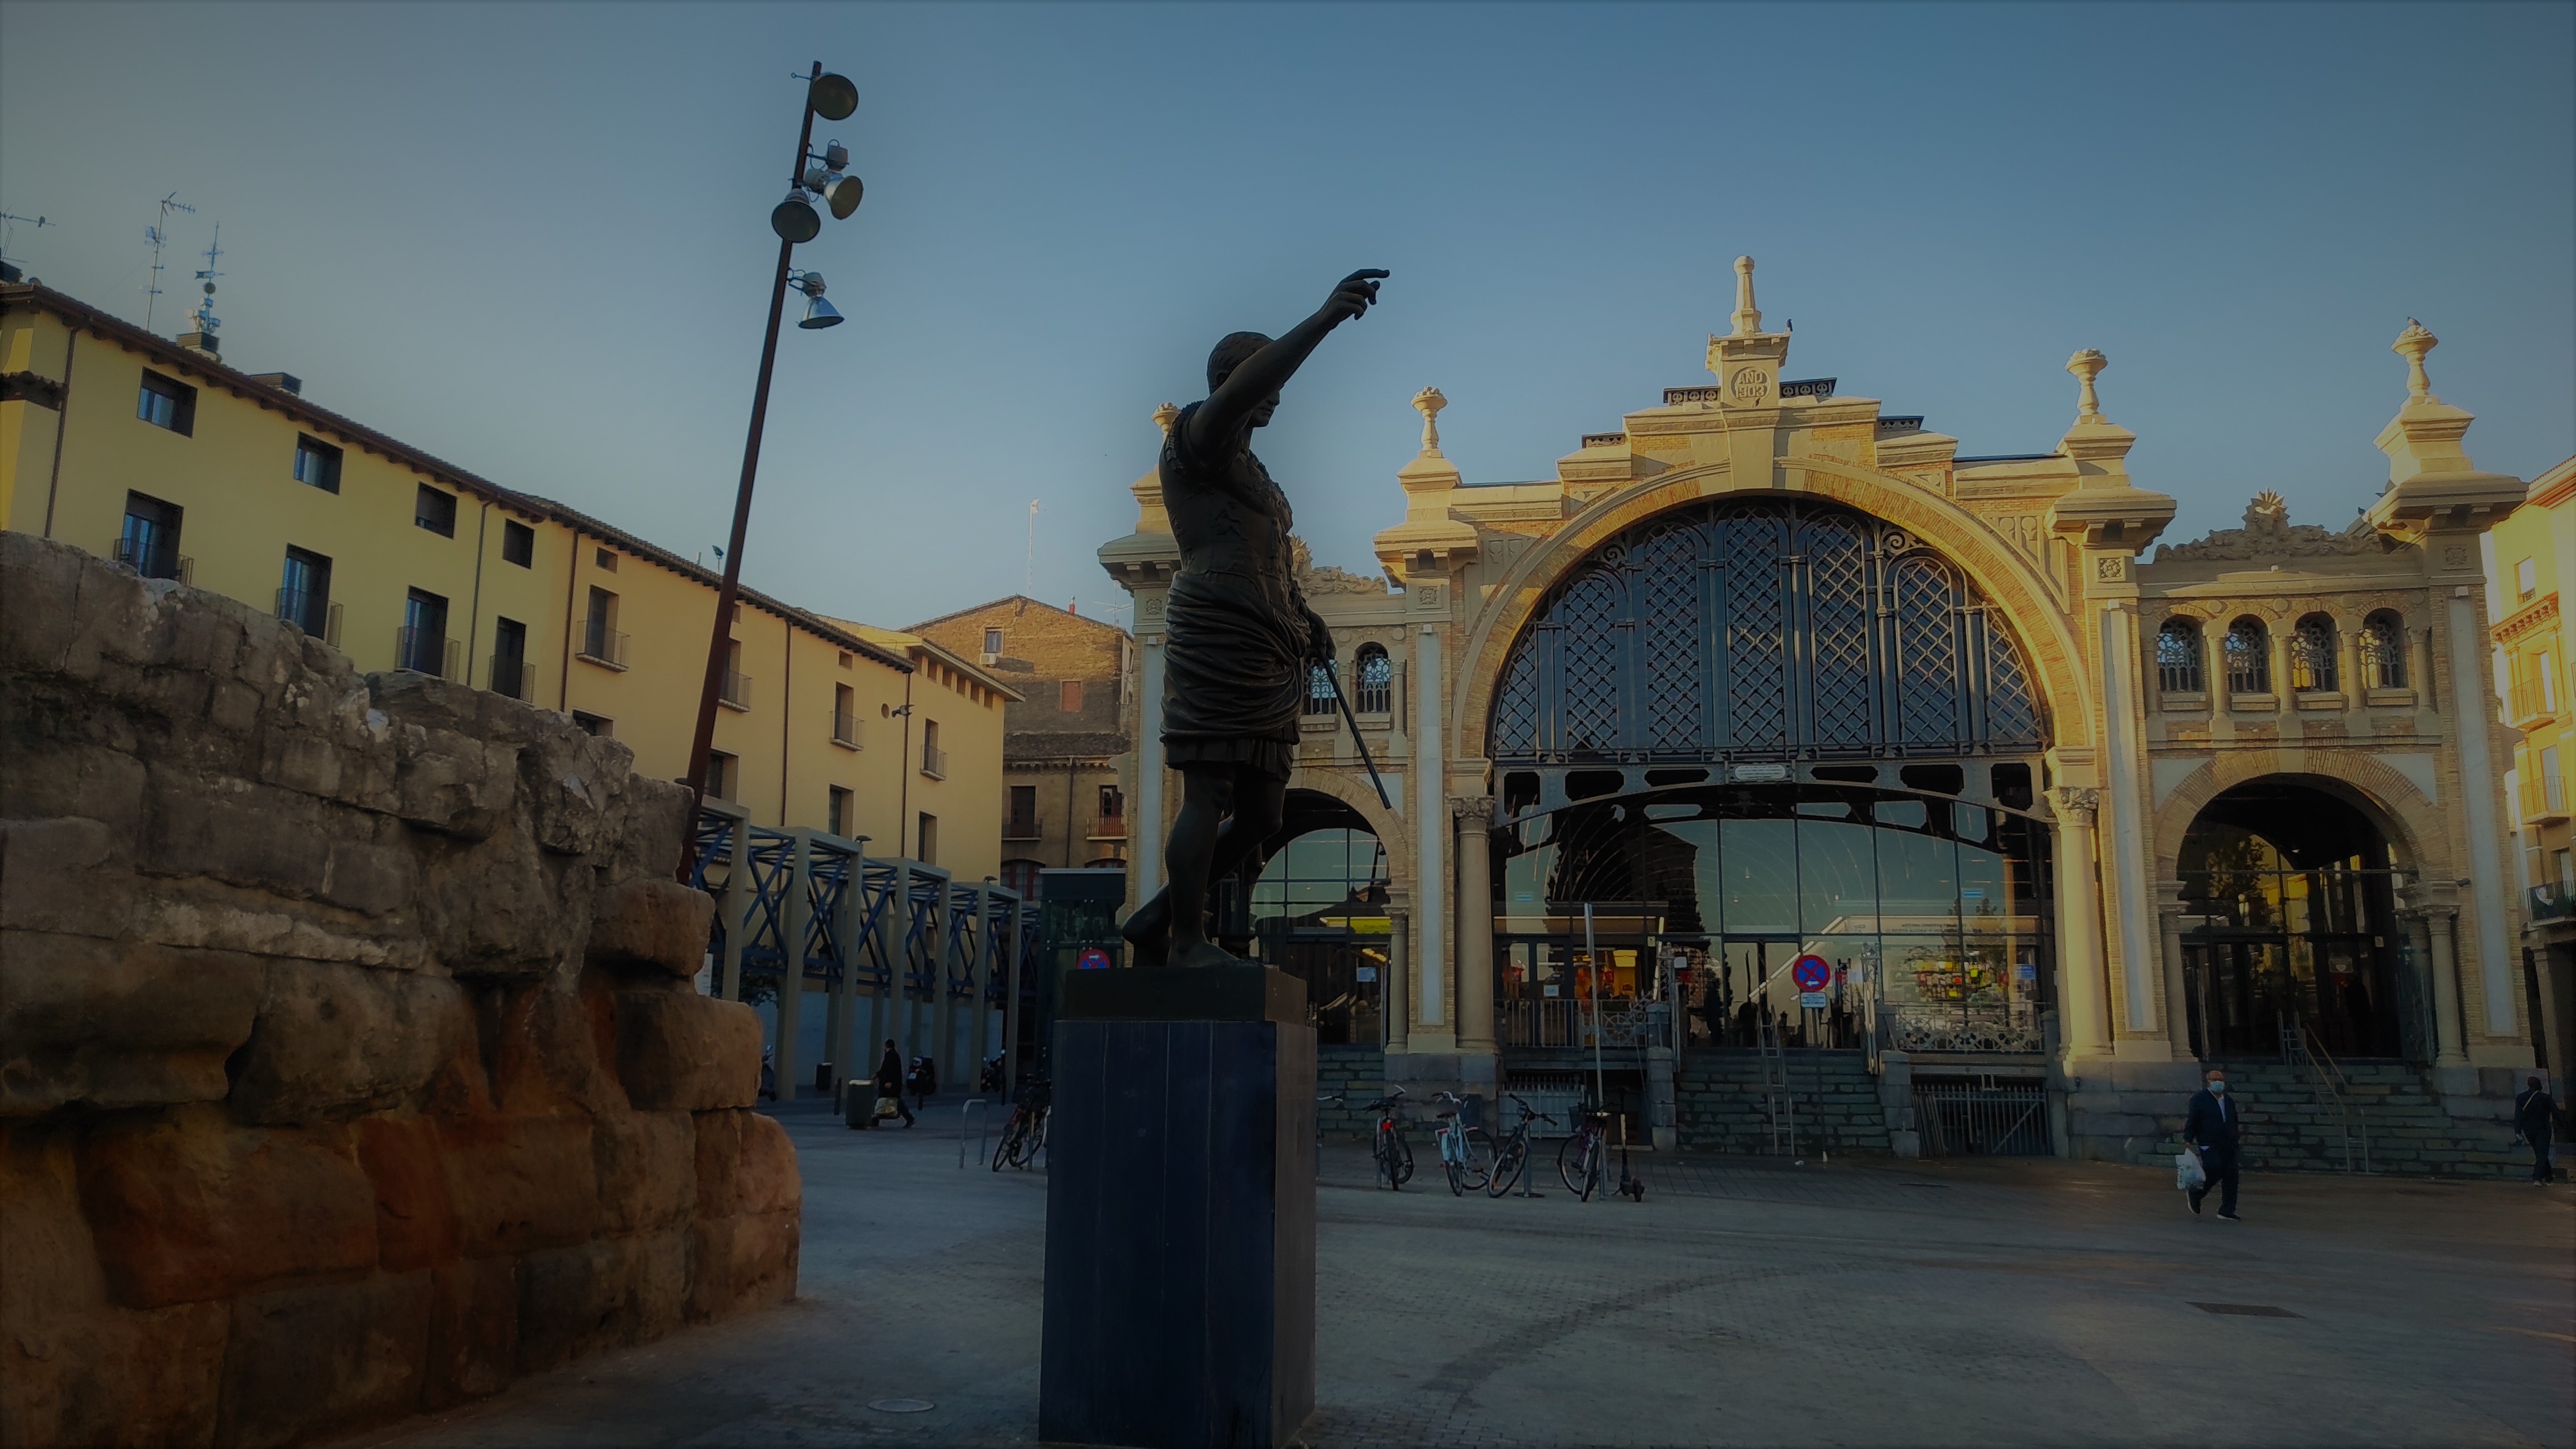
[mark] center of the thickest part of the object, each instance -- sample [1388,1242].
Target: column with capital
[2440,918]
[2177,991]
[1395,993]
[1475,925]
[2079,923]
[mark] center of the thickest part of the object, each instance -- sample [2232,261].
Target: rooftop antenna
[159,236]
[207,321]
[11,218]
[1029,580]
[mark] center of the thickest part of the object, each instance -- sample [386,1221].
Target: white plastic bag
[2188,1173]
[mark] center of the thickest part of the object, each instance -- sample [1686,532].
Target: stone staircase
[1359,1074]
[2291,1124]
[1720,1102]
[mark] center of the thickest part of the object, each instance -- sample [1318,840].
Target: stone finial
[2412,344]
[1429,402]
[2087,365]
[1748,318]
[1164,416]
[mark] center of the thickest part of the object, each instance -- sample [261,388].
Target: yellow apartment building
[2534,550]
[165,457]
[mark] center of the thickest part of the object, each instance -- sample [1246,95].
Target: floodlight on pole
[795,220]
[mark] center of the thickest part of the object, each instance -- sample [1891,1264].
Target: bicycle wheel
[1403,1159]
[1011,1134]
[1592,1171]
[1507,1167]
[1477,1152]
[1457,1181]
[1573,1161]
[1382,1156]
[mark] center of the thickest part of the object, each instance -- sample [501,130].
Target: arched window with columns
[2383,651]
[1375,674]
[2312,655]
[2249,657]
[2179,666]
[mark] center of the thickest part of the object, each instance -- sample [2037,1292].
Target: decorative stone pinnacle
[1748,318]
[1429,402]
[2412,344]
[2087,365]
[1164,416]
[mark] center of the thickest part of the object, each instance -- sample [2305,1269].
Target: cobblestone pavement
[1744,1302]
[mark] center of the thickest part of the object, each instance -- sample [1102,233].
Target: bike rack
[983,1130]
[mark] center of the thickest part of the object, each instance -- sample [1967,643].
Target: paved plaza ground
[1986,1301]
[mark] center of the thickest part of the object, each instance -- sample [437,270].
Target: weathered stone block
[745,1165]
[598,1295]
[63,875]
[544,1053]
[190,1207]
[648,1170]
[235,831]
[452,783]
[118,1024]
[573,784]
[500,908]
[336,1041]
[44,778]
[743,1262]
[473,1330]
[415,1214]
[648,922]
[681,1052]
[115,1376]
[521,1184]
[311,1360]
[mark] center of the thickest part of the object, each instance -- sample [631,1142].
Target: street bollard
[984,1128]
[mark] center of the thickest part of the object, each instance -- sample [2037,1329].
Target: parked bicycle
[1466,1148]
[1024,1135]
[1514,1158]
[1579,1161]
[1393,1155]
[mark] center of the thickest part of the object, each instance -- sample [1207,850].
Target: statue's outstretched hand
[1319,639]
[1351,298]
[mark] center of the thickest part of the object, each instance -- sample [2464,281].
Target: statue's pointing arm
[1264,373]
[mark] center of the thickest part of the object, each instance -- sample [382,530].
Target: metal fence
[1996,1116]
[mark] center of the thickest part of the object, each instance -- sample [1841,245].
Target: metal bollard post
[984,1129]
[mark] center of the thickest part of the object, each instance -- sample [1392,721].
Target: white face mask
[2218,1087]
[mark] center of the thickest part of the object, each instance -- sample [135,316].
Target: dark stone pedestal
[1180,1249]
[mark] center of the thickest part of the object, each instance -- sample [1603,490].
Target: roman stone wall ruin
[349,1061]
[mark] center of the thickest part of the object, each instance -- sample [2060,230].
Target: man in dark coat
[2211,1128]
[889,1080]
[2535,1116]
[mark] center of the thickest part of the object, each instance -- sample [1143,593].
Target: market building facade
[1774,758]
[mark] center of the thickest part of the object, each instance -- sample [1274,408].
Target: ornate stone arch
[2413,824]
[2009,580]
[1349,786]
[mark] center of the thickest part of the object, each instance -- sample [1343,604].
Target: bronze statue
[1239,640]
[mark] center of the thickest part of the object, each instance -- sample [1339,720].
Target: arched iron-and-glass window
[1319,690]
[2249,658]
[2383,651]
[2179,666]
[1754,629]
[1376,675]
[2312,655]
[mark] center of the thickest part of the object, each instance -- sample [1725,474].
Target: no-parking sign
[1811,973]
[1092,959]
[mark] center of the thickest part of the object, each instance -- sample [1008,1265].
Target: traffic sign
[1092,959]
[1811,973]
[1814,1000]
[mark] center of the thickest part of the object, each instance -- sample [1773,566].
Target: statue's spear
[1352,720]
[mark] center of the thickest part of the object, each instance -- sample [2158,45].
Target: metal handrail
[983,1131]
[2299,1051]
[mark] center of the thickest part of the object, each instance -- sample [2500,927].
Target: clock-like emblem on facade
[1749,386]
[2111,570]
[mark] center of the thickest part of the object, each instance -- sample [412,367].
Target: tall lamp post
[816,176]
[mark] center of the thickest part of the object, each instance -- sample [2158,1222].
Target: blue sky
[533,239]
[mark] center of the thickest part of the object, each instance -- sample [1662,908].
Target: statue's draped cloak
[1234,651]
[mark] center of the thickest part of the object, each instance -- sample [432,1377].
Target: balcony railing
[1110,827]
[2544,796]
[2531,702]
[602,645]
[934,762]
[514,676]
[423,651]
[1019,827]
[845,729]
[312,613]
[155,563]
[735,690]
[2552,903]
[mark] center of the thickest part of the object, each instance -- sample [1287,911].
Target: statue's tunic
[1234,651]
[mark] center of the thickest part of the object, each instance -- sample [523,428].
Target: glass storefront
[1319,913]
[1928,919]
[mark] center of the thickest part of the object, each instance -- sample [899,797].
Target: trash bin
[859,1104]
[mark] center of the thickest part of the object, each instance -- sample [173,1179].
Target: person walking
[2535,1116]
[2211,1129]
[889,1080]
